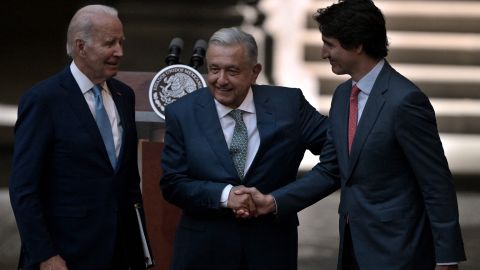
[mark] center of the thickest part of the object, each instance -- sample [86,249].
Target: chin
[338,71]
[224,101]
[111,73]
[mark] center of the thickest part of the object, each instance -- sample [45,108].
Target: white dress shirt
[365,84]
[228,125]
[85,86]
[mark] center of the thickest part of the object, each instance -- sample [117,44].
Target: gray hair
[81,24]
[233,36]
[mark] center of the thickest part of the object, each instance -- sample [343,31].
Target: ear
[359,49]
[80,46]
[257,69]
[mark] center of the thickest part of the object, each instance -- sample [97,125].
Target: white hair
[233,36]
[81,24]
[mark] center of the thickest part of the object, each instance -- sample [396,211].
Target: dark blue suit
[396,188]
[197,166]
[67,198]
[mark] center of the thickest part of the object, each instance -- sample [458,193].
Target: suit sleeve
[416,129]
[33,141]
[323,179]
[315,185]
[193,195]
[313,126]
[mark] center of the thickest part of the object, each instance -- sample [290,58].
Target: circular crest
[172,83]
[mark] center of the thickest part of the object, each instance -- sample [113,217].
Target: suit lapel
[370,115]
[80,107]
[344,97]
[265,123]
[207,118]
[119,101]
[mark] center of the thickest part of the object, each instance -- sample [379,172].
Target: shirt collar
[365,84]
[82,80]
[247,105]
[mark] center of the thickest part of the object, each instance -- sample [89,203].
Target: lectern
[161,217]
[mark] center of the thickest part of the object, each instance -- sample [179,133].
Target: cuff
[276,206]
[224,197]
[448,263]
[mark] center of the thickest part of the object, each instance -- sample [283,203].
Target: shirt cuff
[276,206]
[224,197]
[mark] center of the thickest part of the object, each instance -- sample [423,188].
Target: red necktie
[352,116]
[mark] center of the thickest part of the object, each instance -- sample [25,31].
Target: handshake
[248,202]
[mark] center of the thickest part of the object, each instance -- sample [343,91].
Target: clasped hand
[54,263]
[249,202]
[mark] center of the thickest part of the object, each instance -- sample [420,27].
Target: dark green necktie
[239,144]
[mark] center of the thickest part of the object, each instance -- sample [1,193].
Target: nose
[118,49]
[324,53]
[222,78]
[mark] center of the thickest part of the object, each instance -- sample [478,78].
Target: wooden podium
[161,217]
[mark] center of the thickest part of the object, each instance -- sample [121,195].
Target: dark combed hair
[354,23]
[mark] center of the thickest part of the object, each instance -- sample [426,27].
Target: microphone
[174,50]
[198,55]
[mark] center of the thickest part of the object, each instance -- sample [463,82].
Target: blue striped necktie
[103,123]
[239,144]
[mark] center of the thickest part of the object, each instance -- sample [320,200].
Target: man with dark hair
[75,177]
[398,207]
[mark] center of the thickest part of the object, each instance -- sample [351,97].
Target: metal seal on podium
[172,83]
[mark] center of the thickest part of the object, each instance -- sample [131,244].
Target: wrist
[271,204]
[225,195]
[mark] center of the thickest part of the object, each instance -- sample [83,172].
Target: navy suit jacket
[66,197]
[396,187]
[197,166]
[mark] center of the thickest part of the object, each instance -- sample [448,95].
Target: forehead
[330,40]
[107,27]
[220,53]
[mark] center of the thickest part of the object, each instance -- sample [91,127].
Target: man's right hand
[265,204]
[241,203]
[54,263]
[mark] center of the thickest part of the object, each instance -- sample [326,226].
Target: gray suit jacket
[396,187]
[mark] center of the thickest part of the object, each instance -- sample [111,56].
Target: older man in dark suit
[235,133]
[75,177]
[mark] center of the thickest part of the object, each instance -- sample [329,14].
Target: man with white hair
[230,134]
[75,177]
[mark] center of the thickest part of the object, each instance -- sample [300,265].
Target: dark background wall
[33,36]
